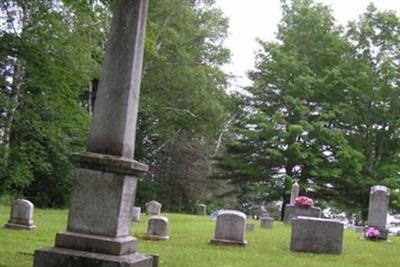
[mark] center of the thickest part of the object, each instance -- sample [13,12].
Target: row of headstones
[309,233]
[154,208]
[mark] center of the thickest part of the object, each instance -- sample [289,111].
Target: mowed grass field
[189,245]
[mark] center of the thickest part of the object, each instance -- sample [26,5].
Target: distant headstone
[201,210]
[266,222]
[316,235]
[294,193]
[378,209]
[157,228]
[293,211]
[21,215]
[249,227]
[153,208]
[136,214]
[230,228]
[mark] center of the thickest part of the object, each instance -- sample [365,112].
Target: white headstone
[153,208]
[136,214]
[157,228]
[21,215]
[230,228]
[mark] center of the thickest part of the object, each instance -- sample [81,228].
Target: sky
[251,19]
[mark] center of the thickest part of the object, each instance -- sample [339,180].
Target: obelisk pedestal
[104,190]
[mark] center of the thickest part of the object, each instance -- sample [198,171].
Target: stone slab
[230,228]
[101,203]
[136,212]
[228,242]
[316,235]
[201,210]
[378,207]
[108,163]
[97,244]
[21,215]
[20,226]
[292,211]
[157,228]
[60,257]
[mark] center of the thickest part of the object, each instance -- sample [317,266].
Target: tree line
[323,109]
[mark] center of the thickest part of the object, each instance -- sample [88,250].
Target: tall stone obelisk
[104,190]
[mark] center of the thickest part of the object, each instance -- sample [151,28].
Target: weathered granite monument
[103,195]
[21,215]
[230,228]
[316,235]
[157,228]
[201,209]
[378,209]
[153,208]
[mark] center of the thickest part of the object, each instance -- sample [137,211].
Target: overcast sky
[251,19]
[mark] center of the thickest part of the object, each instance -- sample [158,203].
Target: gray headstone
[230,228]
[103,195]
[250,227]
[136,214]
[157,228]
[378,209]
[21,215]
[153,208]
[201,210]
[292,211]
[316,235]
[294,193]
[266,222]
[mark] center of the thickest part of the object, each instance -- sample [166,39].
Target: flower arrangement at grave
[303,202]
[372,233]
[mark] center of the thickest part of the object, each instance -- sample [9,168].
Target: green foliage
[323,109]
[50,58]
[56,56]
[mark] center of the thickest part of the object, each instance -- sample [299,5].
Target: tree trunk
[12,105]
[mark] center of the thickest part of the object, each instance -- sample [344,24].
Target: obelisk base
[60,257]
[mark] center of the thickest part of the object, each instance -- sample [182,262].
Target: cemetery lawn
[189,245]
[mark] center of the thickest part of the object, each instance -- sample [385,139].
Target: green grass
[189,245]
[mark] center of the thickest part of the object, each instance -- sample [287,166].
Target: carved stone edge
[108,163]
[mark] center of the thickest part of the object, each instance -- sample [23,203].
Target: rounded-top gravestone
[378,209]
[230,228]
[21,216]
[201,210]
[153,208]
[157,228]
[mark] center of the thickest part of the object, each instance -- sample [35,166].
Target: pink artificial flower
[372,233]
[304,202]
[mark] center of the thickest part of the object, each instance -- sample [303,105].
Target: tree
[291,128]
[50,53]
[183,100]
